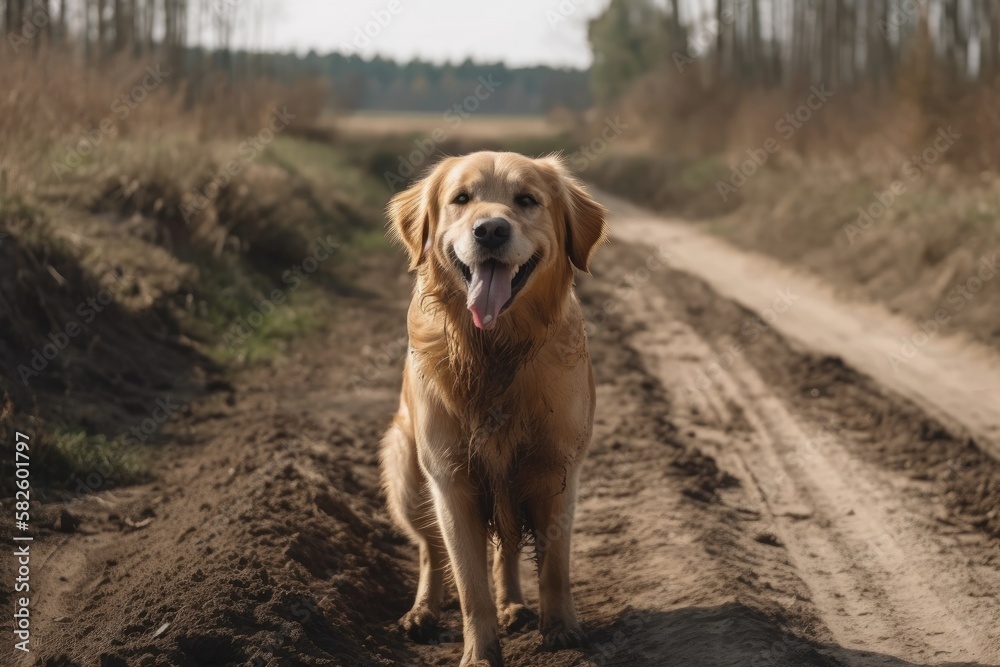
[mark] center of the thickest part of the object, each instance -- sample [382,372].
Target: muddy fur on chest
[507,477]
[504,429]
[480,377]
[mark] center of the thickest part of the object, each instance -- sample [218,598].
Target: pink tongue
[489,290]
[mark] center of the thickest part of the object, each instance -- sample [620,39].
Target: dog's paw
[558,635]
[516,617]
[421,625]
[491,657]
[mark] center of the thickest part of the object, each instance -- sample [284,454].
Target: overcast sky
[518,32]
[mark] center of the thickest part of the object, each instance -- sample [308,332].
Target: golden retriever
[497,403]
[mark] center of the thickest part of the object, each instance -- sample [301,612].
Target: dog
[497,403]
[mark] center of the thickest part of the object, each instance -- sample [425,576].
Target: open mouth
[493,286]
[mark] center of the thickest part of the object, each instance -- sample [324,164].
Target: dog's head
[498,226]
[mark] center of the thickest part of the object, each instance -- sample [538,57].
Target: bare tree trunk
[170,28]
[87,49]
[676,28]
[63,24]
[872,62]
[993,46]
[948,37]
[102,43]
[13,19]
[175,33]
[149,20]
[848,13]
[742,44]
[817,42]
[723,40]
[119,22]
[181,35]
[885,46]
[135,26]
[754,43]
[44,11]
[798,51]
[962,35]
[831,37]
[777,27]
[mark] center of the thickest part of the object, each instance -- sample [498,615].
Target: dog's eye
[462,198]
[526,200]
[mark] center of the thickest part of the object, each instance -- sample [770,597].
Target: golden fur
[493,424]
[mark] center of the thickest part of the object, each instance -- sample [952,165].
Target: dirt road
[761,491]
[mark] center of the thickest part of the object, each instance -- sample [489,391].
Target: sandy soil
[756,495]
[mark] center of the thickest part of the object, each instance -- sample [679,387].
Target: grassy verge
[142,278]
[921,238]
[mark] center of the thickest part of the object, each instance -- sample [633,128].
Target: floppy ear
[586,223]
[410,223]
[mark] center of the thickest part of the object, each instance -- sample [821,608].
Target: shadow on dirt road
[728,635]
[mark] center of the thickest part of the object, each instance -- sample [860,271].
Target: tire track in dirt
[877,588]
[875,573]
[949,377]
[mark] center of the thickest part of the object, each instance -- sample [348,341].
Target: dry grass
[803,204]
[94,185]
[680,115]
[60,115]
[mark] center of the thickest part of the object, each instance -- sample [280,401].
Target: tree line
[767,43]
[204,40]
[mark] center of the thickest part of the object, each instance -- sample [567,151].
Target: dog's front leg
[552,517]
[465,537]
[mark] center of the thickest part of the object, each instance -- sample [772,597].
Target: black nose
[491,232]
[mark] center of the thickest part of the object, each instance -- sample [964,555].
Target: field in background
[475,127]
